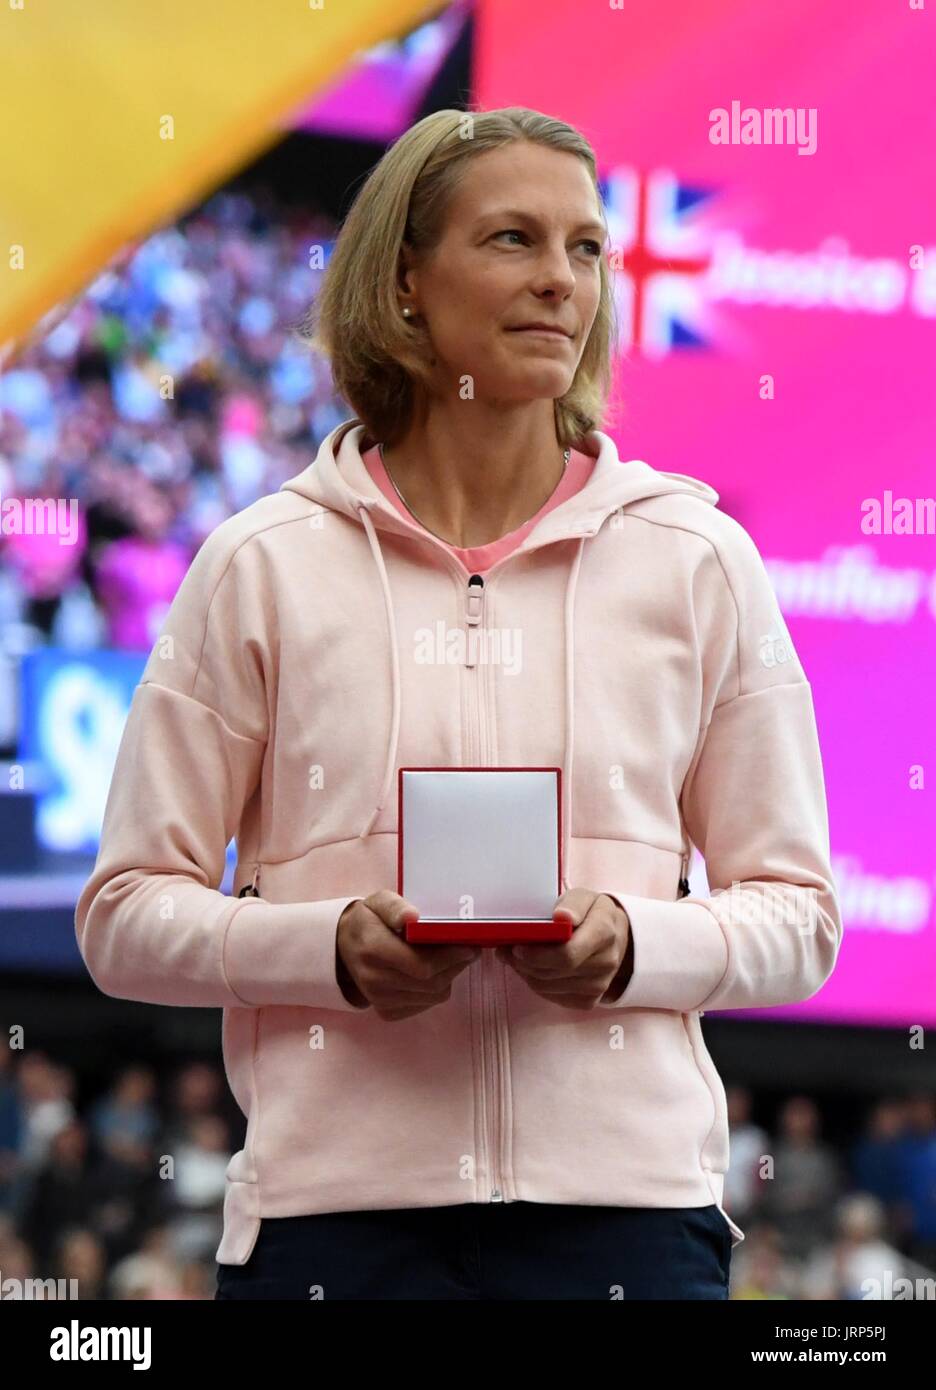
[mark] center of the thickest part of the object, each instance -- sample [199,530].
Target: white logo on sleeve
[775,648]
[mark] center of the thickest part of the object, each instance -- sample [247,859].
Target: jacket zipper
[473,613]
[490,1021]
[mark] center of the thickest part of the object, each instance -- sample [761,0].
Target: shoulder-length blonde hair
[378,358]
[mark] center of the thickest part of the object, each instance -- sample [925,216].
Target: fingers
[409,997]
[591,941]
[404,979]
[553,959]
[576,903]
[410,978]
[392,910]
[419,964]
[425,984]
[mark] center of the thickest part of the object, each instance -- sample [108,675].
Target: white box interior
[481,846]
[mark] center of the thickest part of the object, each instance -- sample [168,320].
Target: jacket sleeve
[753,802]
[151,922]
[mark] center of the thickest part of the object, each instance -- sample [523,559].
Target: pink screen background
[855,388]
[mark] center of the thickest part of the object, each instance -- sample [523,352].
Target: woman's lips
[556,333]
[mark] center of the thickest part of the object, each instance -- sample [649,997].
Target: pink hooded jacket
[290,682]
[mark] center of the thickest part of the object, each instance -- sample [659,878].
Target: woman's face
[521,245]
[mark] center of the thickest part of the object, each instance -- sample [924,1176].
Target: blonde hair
[378,358]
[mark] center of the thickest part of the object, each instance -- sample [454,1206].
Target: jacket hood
[338,479]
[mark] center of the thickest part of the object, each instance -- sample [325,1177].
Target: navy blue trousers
[501,1250]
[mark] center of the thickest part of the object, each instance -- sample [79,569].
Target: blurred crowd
[122,1191]
[173,392]
[827,1222]
[122,1188]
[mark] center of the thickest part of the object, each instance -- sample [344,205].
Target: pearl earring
[407,311]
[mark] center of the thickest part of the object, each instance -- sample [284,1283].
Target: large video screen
[775,266]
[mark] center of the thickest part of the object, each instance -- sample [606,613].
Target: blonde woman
[446,1122]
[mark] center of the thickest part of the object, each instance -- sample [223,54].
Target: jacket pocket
[715,1152]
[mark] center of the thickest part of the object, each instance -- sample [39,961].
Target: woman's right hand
[377,966]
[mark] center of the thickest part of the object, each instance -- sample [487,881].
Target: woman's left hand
[597,958]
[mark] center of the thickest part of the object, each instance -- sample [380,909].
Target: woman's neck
[471,489]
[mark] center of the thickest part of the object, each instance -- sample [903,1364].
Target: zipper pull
[473,611]
[250,889]
[684,890]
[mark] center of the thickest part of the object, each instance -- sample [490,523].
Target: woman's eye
[593,247]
